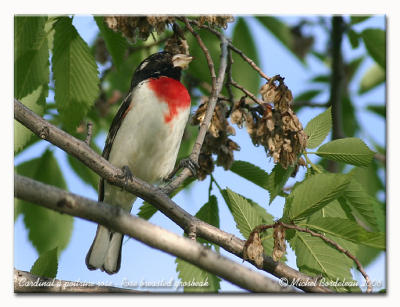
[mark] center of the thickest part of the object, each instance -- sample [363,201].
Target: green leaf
[373,77]
[209,213]
[190,274]
[375,42]
[46,265]
[368,178]
[321,79]
[75,74]
[35,102]
[350,122]
[277,180]
[241,71]
[115,42]
[348,150]
[358,18]
[251,172]
[257,215]
[307,95]
[280,30]
[354,38]
[378,109]
[313,194]
[315,257]
[31,55]
[199,67]
[347,230]
[318,128]
[245,216]
[364,207]
[85,173]
[47,229]
[353,66]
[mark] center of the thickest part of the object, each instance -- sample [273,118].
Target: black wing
[116,123]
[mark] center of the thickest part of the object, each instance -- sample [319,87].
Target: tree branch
[151,194]
[118,219]
[25,282]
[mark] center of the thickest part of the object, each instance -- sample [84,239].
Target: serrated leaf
[348,150]
[190,274]
[241,71]
[378,109]
[251,172]
[277,180]
[313,194]
[75,74]
[373,77]
[31,55]
[115,42]
[146,211]
[85,173]
[318,128]
[47,229]
[364,207]
[347,230]
[46,265]
[368,178]
[315,257]
[280,30]
[245,216]
[375,42]
[22,135]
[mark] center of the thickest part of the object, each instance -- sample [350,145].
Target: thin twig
[332,243]
[229,77]
[151,194]
[380,157]
[248,93]
[233,47]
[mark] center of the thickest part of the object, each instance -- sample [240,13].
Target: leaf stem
[314,167]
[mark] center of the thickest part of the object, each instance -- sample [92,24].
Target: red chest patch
[173,93]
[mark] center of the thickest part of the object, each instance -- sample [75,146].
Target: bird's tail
[105,252]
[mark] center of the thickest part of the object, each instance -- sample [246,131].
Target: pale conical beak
[181,60]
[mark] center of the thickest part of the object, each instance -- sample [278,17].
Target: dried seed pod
[216,140]
[253,250]
[279,243]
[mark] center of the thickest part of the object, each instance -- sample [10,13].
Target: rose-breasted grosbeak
[145,136]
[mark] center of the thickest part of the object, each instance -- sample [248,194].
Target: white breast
[145,142]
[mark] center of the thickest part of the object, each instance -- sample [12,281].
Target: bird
[144,140]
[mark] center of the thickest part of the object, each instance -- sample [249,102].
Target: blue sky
[140,262]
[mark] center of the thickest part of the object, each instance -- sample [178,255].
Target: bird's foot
[126,174]
[189,163]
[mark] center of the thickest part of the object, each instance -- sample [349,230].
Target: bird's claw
[192,165]
[126,174]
